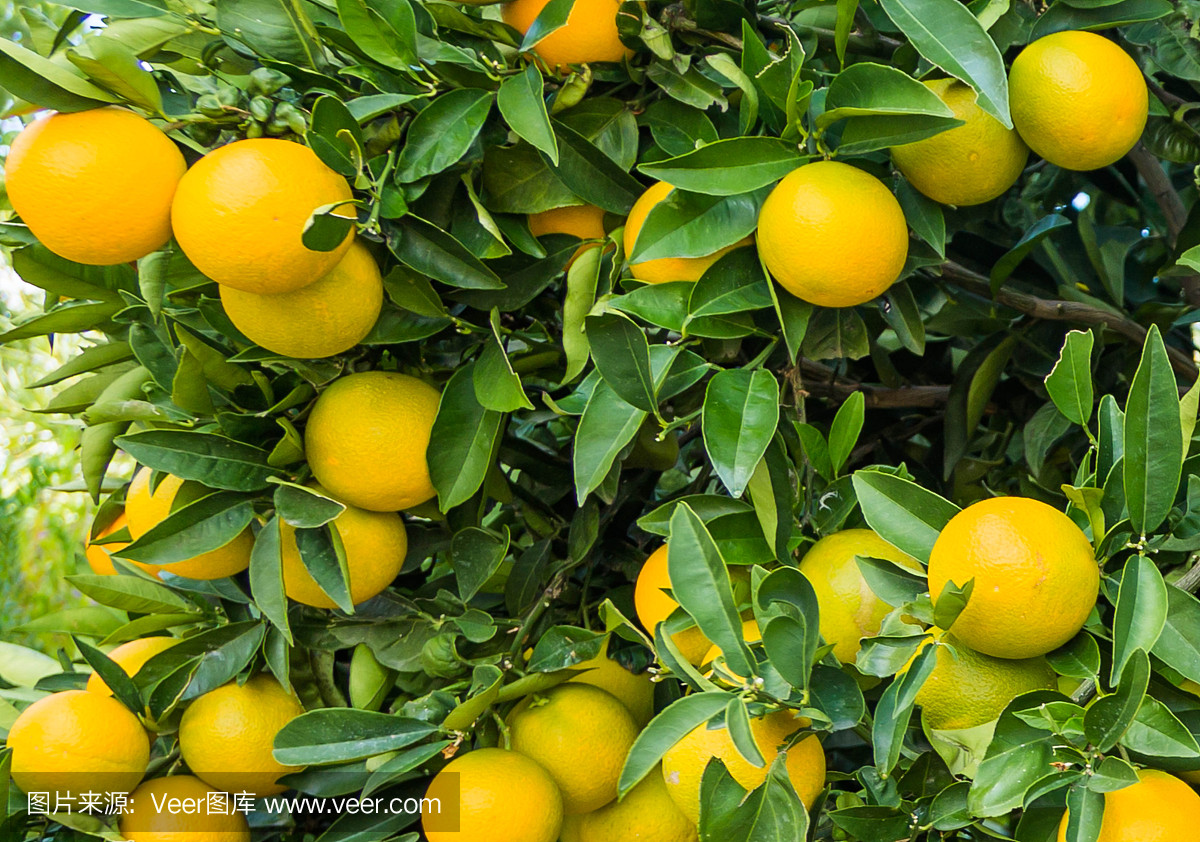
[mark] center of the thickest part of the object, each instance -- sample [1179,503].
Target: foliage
[1035,345]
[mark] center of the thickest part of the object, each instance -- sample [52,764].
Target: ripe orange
[1078,99]
[95,186]
[666,269]
[146,510]
[1036,578]
[683,765]
[583,221]
[635,691]
[227,735]
[646,814]
[580,734]
[366,440]
[590,33]
[850,610]
[653,606]
[130,657]
[240,212]
[502,796]
[75,741]
[375,544]
[1158,808]
[200,813]
[969,164]
[321,319]
[814,228]
[968,688]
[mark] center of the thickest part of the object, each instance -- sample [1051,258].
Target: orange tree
[429,323]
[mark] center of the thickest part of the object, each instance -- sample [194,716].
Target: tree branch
[1062,311]
[825,383]
[1174,211]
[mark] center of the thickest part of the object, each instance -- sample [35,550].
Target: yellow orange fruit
[683,765]
[969,164]
[583,221]
[501,796]
[665,269]
[367,436]
[95,186]
[1078,99]
[812,229]
[180,808]
[589,35]
[99,553]
[375,545]
[850,610]
[581,735]
[240,211]
[635,691]
[1158,808]
[146,508]
[130,657]
[227,735]
[75,741]
[653,606]
[321,319]
[646,814]
[1036,578]
[968,688]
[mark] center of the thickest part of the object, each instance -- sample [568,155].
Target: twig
[1173,209]
[822,383]
[1062,311]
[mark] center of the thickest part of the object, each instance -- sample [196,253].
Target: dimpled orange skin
[646,814]
[321,319]
[95,186]
[145,510]
[581,735]
[227,735]
[367,437]
[684,763]
[1158,808]
[144,822]
[653,606]
[666,269]
[589,35]
[1036,578]
[75,741]
[832,235]
[503,796]
[240,211]
[967,165]
[375,544]
[1078,99]
[850,610]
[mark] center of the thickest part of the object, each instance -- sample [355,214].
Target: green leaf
[1157,732]
[867,89]
[118,681]
[304,507]
[1019,755]
[740,414]
[522,105]
[1179,643]
[339,735]
[694,225]
[665,730]
[903,513]
[553,16]
[590,174]
[843,434]
[1078,658]
[729,167]
[385,31]
[894,584]
[622,356]
[199,527]
[1141,611]
[324,558]
[772,811]
[114,66]
[1009,261]
[129,593]
[861,135]
[1085,810]
[442,133]
[1153,438]
[946,34]
[463,441]
[925,217]
[700,583]
[565,646]
[266,577]
[1070,381]
[477,556]
[276,29]
[497,385]
[1109,717]
[895,708]
[35,79]
[430,251]
[213,460]
[582,280]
